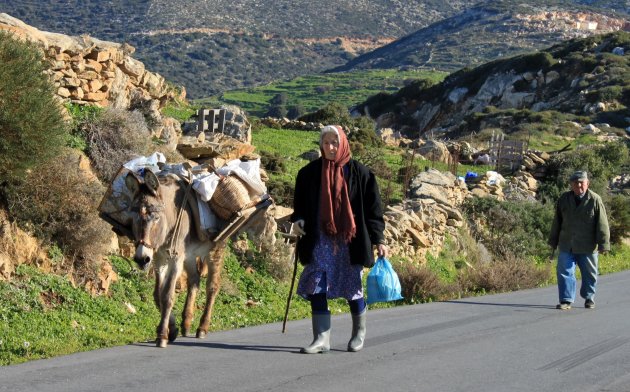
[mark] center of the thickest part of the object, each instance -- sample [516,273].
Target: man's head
[579,183]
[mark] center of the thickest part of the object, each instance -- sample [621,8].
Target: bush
[58,203]
[32,129]
[419,284]
[601,163]
[272,161]
[510,228]
[277,111]
[508,274]
[619,218]
[115,137]
[281,191]
[333,113]
[295,111]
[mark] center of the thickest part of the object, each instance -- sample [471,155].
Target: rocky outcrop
[421,223]
[86,70]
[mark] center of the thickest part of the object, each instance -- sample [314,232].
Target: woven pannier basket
[230,196]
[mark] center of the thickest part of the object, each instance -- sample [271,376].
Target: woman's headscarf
[335,209]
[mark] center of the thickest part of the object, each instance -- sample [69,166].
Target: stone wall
[86,70]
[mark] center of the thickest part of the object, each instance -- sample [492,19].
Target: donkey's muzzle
[143,256]
[143,263]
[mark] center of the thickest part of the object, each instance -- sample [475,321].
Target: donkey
[163,229]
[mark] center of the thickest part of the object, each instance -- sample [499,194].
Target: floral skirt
[330,272]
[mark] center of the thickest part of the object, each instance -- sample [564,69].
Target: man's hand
[552,255]
[297,228]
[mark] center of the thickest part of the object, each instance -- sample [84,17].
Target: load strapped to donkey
[178,215]
[222,200]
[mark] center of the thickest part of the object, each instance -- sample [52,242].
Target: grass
[289,144]
[45,315]
[315,91]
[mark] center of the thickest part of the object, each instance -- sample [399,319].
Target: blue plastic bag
[382,283]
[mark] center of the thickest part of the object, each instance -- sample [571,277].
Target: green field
[315,91]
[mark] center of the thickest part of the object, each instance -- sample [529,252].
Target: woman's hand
[382,250]
[297,228]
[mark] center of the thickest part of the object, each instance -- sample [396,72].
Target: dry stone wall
[86,70]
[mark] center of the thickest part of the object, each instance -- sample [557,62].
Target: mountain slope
[488,31]
[213,46]
[558,90]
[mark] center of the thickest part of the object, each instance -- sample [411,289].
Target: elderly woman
[338,212]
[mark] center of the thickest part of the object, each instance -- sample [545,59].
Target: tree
[296,111]
[277,111]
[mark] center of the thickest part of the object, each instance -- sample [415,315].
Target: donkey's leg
[157,288]
[213,285]
[193,272]
[167,331]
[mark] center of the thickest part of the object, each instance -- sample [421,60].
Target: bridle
[144,211]
[176,232]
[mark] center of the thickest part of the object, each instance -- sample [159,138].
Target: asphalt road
[508,342]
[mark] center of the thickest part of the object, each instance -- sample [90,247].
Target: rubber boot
[358,331]
[321,334]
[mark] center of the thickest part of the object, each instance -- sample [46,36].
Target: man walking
[579,231]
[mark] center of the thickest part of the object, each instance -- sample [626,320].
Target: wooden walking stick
[295,262]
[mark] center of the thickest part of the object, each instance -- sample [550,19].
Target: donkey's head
[150,219]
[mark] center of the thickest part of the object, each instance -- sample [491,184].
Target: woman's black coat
[366,206]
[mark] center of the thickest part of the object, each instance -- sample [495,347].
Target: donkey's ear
[132,183]
[151,181]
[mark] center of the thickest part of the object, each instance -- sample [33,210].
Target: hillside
[489,31]
[558,90]
[201,45]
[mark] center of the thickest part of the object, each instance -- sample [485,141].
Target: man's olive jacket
[582,228]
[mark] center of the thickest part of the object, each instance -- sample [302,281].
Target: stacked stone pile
[86,70]
[534,162]
[285,123]
[489,184]
[521,186]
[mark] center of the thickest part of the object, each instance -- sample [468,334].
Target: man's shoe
[589,304]
[564,306]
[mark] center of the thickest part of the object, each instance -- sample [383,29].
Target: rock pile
[280,123]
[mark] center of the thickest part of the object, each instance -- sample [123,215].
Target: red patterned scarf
[335,209]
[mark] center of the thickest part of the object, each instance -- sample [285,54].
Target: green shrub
[281,191]
[619,218]
[601,163]
[510,228]
[332,113]
[272,161]
[610,93]
[32,129]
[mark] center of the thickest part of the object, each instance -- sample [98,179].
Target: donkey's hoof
[185,333]
[172,334]
[161,343]
[201,334]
